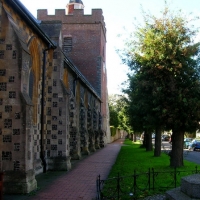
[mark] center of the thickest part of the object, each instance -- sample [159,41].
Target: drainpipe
[42,156]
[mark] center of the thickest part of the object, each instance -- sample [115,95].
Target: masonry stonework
[88,48]
[53,92]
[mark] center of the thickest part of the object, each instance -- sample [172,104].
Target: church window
[67,44]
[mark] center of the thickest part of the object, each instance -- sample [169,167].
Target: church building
[53,90]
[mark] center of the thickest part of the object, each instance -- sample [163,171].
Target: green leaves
[118,112]
[164,88]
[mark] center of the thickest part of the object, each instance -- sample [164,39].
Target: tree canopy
[118,116]
[164,86]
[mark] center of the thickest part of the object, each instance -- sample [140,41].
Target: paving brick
[80,182]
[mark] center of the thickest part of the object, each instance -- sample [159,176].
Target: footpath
[80,182]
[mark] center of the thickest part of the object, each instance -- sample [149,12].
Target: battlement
[78,16]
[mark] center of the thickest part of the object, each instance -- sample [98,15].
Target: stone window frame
[67,44]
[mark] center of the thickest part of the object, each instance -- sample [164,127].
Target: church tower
[74,4]
[83,41]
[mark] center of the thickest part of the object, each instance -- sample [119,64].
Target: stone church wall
[87,34]
[49,112]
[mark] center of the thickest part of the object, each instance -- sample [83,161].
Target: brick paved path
[80,182]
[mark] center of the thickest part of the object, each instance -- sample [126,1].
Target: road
[193,156]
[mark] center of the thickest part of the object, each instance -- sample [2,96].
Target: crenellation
[77,17]
[77,13]
[60,12]
[41,13]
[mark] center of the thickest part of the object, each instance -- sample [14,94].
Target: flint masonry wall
[88,53]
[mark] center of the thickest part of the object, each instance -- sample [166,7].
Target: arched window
[31,82]
[34,76]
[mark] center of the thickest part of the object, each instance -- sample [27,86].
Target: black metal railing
[139,185]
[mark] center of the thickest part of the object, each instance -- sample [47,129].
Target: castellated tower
[84,42]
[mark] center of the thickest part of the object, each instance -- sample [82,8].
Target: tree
[164,87]
[118,116]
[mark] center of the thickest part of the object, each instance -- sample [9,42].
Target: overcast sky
[119,16]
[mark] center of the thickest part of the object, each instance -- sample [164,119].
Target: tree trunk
[135,139]
[144,143]
[148,141]
[131,137]
[157,150]
[176,155]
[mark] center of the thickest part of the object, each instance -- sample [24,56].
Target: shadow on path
[79,182]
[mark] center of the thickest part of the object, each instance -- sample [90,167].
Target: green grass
[134,158]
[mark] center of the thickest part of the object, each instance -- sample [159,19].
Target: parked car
[165,137]
[187,142]
[194,145]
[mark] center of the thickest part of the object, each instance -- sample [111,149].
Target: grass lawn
[134,159]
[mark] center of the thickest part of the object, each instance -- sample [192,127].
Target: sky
[119,16]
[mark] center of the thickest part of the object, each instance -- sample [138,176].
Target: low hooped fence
[139,185]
